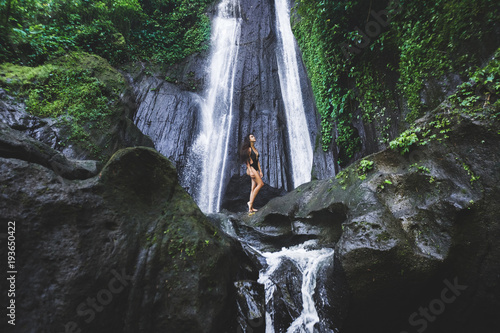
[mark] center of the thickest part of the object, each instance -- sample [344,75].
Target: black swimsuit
[255,160]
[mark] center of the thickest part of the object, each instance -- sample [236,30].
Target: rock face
[106,136]
[124,251]
[169,113]
[417,240]
[13,144]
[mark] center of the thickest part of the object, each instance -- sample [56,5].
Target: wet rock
[251,307]
[331,296]
[169,116]
[238,193]
[287,296]
[126,250]
[301,213]
[416,221]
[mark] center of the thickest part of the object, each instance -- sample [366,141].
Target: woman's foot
[250,209]
[254,210]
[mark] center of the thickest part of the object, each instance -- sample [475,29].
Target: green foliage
[172,30]
[316,32]
[364,167]
[34,31]
[471,174]
[434,36]
[79,90]
[437,129]
[343,178]
[381,186]
[424,40]
[480,95]
[405,140]
[421,168]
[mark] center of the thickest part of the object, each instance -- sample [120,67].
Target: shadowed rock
[14,144]
[416,221]
[127,250]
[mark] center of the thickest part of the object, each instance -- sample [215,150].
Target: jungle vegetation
[363,56]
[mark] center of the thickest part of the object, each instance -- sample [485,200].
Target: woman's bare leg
[255,190]
[254,184]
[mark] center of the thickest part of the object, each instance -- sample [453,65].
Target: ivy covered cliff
[376,66]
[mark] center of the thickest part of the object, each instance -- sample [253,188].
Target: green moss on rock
[82,92]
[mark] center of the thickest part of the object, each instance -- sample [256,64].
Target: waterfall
[298,133]
[308,262]
[207,158]
[207,165]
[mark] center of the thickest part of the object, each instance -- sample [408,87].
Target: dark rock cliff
[125,249]
[169,111]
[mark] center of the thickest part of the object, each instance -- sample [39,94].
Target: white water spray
[298,133]
[211,145]
[308,262]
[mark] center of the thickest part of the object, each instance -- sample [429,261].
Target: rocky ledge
[415,232]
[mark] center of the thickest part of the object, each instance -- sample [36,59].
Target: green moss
[384,236]
[16,77]
[80,90]
[404,251]
[98,67]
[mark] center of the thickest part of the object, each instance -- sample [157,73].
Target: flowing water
[206,162]
[308,262]
[298,133]
[207,159]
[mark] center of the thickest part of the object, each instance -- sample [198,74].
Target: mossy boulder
[127,250]
[78,104]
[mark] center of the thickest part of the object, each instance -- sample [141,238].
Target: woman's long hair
[244,155]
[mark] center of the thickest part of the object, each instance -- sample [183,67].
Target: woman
[250,156]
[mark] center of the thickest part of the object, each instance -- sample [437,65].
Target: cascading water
[298,133]
[195,131]
[207,159]
[308,262]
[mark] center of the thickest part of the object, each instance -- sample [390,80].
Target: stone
[125,250]
[118,131]
[402,234]
[238,194]
[15,144]
[251,307]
